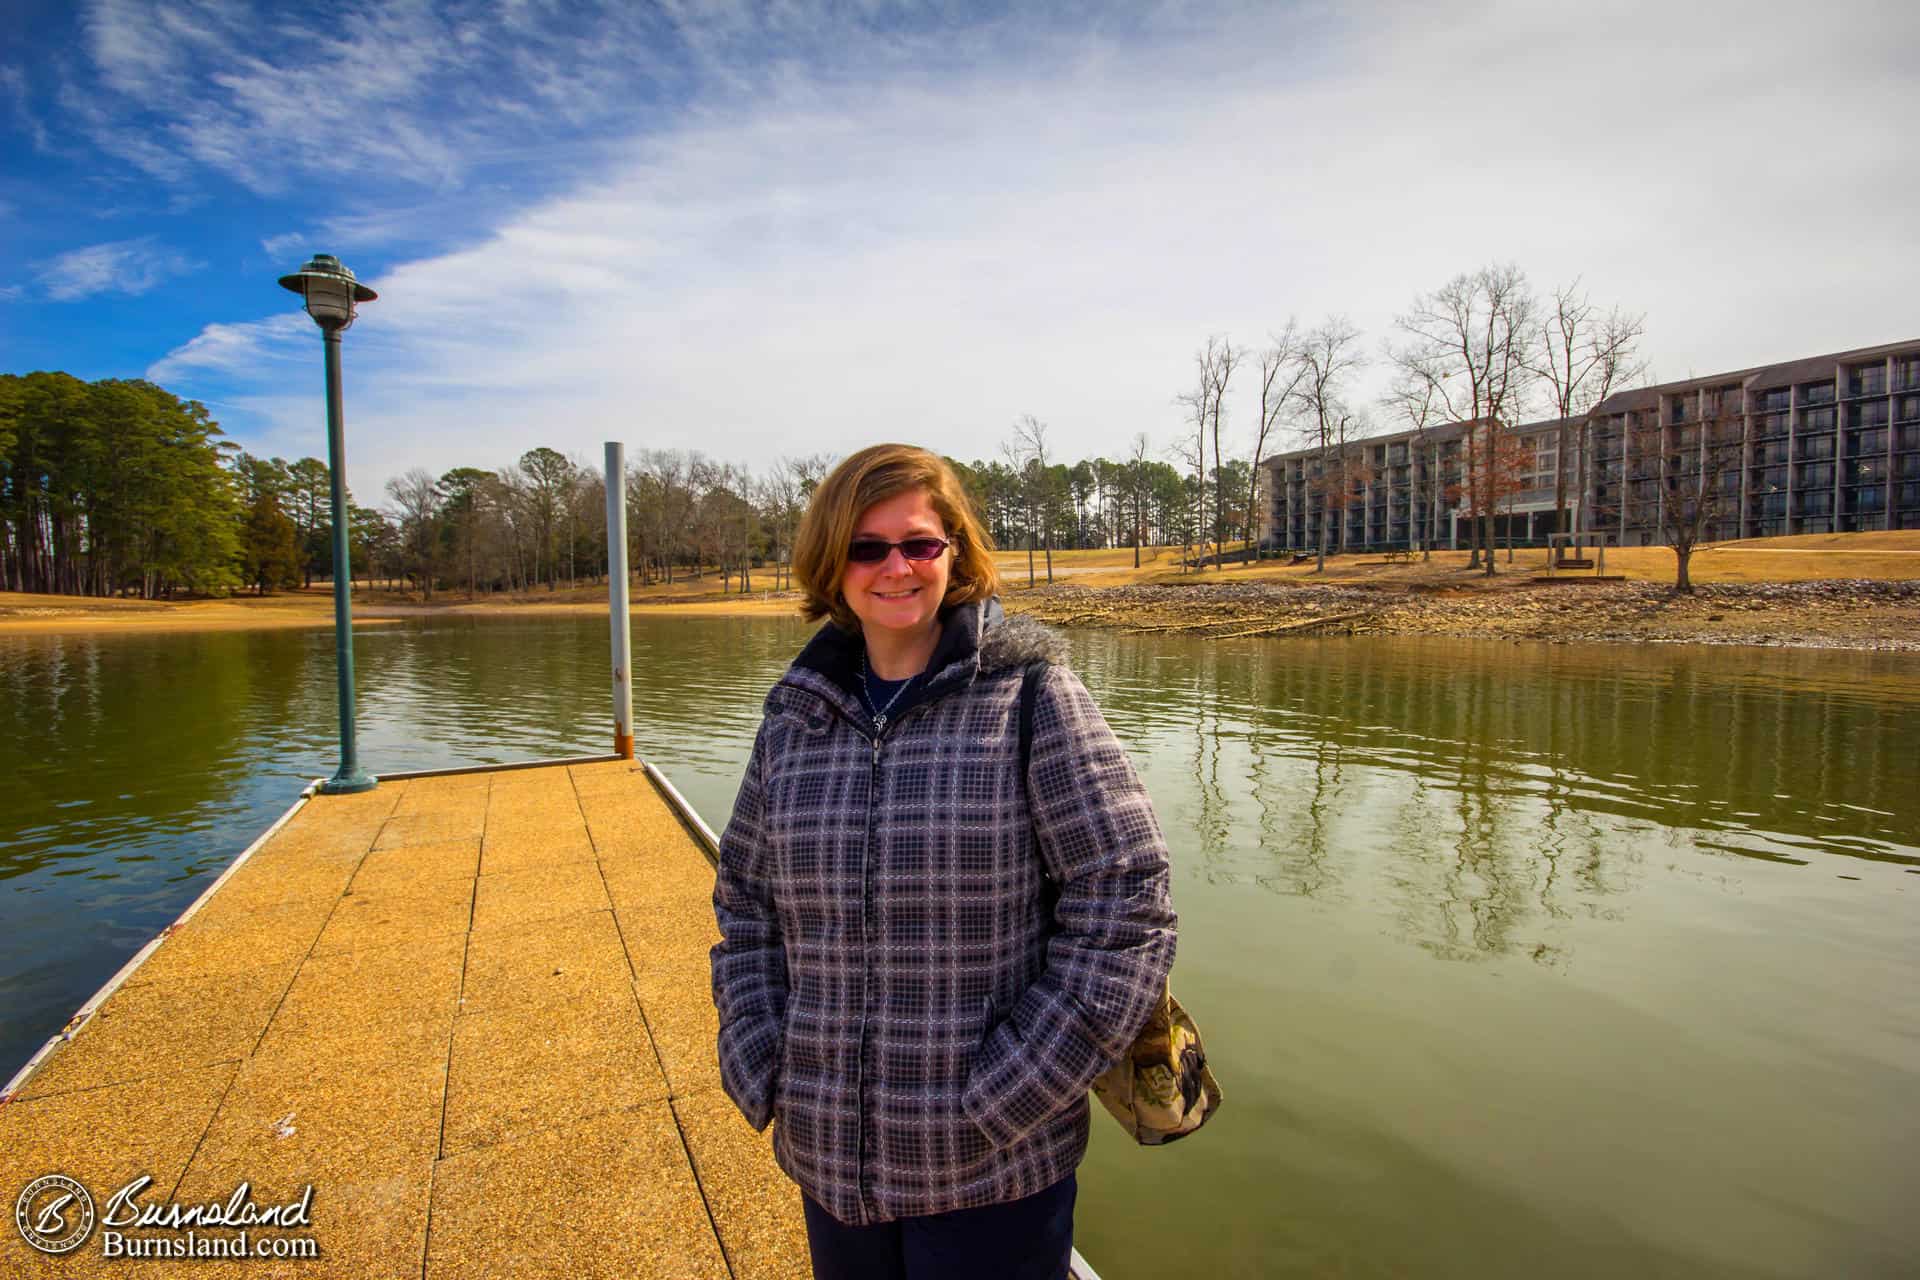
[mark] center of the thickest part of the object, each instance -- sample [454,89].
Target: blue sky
[764,228]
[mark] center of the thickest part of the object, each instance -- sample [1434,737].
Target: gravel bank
[1834,614]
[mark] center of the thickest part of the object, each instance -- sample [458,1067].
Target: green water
[1513,960]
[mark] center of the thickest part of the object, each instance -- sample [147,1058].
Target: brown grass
[1756,560]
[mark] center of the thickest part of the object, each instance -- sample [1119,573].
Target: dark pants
[1026,1239]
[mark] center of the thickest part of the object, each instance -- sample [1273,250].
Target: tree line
[113,487]
[119,487]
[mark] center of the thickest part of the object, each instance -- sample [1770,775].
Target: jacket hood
[974,638]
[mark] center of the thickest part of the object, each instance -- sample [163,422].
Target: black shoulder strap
[1028,683]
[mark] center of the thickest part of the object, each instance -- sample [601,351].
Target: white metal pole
[617,599]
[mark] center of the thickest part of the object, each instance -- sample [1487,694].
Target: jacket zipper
[866,971]
[866,946]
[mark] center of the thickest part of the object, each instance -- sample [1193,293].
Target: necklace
[880,716]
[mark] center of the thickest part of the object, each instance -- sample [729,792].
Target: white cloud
[119,266]
[13,86]
[253,350]
[925,257]
[289,245]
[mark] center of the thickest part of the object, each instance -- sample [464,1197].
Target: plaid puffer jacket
[925,958]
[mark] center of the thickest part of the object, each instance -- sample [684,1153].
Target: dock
[472,1011]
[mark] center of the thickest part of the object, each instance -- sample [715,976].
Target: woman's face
[897,594]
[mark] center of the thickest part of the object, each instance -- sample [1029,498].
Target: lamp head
[329,290]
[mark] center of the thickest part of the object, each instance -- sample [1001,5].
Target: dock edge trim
[702,833]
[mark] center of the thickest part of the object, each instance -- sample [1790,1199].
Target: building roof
[1760,378]
[1439,434]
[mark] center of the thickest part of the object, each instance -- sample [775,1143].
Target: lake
[1512,959]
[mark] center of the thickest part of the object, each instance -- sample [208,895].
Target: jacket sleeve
[1108,959]
[749,961]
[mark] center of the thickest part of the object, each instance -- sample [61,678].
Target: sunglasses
[875,550]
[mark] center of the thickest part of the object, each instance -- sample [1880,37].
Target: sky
[781,228]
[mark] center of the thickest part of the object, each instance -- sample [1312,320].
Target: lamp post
[330,292]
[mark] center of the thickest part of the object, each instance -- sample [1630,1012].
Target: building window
[1867,380]
[1816,419]
[1816,393]
[1868,443]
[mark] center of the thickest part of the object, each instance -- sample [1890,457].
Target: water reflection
[1485,796]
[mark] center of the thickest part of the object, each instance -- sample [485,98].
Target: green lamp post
[331,292]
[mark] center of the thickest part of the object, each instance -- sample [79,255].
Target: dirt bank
[1841,614]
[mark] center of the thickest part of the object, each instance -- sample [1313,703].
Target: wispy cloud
[119,266]
[287,245]
[13,91]
[927,253]
[251,349]
[402,93]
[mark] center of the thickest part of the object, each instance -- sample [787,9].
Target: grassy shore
[1834,590]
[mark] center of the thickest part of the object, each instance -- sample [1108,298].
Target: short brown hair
[872,475]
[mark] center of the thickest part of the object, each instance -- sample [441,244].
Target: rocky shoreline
[1830,614]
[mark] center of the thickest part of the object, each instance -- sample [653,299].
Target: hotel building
[1826,444]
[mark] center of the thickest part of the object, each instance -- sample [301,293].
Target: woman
[938,924]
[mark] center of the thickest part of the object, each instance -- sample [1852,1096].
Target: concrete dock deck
[472,1011]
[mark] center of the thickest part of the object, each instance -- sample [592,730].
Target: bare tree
[779,497]
[1691,466]
[663,485]
[1280,376]
[1198,403]
[1219,361]
[1413,400]
[1470,341]
[418,496]
[1030,447]
[1583,357]
[1138,485]
[1325,358]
